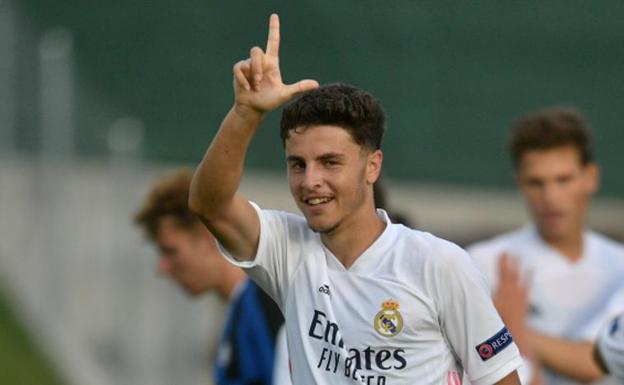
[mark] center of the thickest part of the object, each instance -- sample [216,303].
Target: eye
[533,183]
[330,163]
[296,166]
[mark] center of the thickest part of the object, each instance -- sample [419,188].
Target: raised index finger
[273,42]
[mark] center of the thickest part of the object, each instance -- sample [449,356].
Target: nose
[550,193]
[312,179]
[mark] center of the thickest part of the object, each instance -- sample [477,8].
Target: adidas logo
[324,289]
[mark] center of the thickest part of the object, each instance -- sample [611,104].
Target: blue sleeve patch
[494,345]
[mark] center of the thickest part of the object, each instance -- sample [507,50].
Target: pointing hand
[257,80]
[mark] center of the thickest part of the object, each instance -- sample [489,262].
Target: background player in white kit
[365,301]
[573,271]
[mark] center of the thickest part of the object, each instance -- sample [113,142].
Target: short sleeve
[273,264]
[470,322]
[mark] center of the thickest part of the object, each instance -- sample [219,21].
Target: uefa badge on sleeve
[388,321]
[495,344]
[485,351]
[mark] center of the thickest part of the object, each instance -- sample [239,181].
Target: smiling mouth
[317,201]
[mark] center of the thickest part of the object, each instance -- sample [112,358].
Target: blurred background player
[567,272]
[188,254]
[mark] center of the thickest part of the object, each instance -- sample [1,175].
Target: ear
[592,178]
[373,166]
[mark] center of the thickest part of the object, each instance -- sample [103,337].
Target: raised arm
[258,89]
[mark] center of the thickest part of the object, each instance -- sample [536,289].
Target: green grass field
[21,362]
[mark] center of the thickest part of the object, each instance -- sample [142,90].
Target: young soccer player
[365,301]
[573,271]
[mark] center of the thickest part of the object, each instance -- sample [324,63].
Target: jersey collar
[372,256]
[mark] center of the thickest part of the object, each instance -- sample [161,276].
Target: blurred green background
[452,75]
[22,361]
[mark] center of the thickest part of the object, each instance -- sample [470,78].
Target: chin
[553,234]
[320,227]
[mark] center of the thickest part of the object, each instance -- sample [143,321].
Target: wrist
[247,113]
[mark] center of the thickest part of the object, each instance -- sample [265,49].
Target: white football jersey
[567,299]
[412,309]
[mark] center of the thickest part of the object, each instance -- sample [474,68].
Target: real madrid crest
[388,322]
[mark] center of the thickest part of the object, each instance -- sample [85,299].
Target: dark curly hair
[353,109]
[551,128]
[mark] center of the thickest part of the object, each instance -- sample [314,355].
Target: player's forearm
[570,358]
[218,176]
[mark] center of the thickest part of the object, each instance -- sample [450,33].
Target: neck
[232,276]
[570,247]
[353,237]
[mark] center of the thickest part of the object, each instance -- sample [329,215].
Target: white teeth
[316,201]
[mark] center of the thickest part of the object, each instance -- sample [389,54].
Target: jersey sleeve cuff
[499,373]
[254,262]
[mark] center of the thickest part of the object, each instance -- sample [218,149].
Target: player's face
[330,176]
[557,188]
[189,257]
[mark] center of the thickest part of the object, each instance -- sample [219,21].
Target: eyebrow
[331,155]
[327,156]
[294,158]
